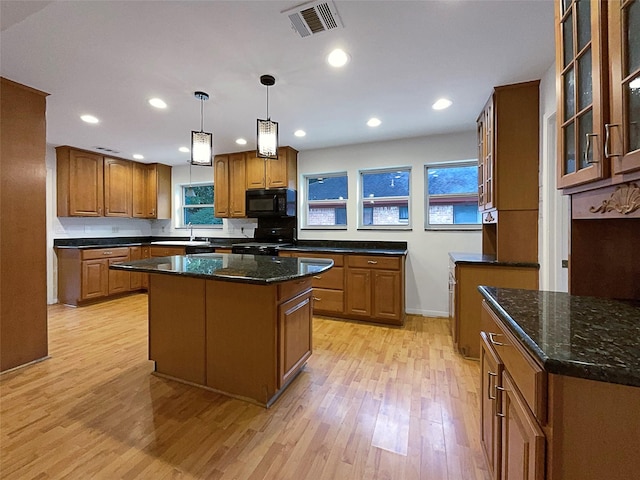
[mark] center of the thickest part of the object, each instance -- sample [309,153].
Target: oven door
[262,203]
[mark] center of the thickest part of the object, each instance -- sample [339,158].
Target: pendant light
[201,142]
[267,130]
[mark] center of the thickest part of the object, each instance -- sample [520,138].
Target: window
[384,200]
[452,196]
[197,205]
[326,200]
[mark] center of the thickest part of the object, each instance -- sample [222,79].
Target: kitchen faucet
[191,237]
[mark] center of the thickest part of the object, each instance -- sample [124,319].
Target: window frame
[361,199]
[454,226]
[305,201]
[182,206]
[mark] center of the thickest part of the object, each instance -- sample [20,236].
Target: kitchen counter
[585,337]
[480,259]
[349,247]
[256,269]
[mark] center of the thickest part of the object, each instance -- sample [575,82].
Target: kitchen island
[560,381]
[235,324]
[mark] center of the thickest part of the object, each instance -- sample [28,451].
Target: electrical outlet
[241,229]
[565,263]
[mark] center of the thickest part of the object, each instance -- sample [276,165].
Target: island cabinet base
[248,341]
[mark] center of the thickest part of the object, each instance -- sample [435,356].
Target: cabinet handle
[498,412]
[587,147]
[107,253]
[317,277]
[489,375]
[493,342]
[372,262]
[607,129]
[317,299]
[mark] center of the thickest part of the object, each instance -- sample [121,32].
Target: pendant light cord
[201,114]
[268,117]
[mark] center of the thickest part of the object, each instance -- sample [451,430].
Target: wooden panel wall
[23,276]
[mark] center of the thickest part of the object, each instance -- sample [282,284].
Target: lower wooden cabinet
[363,287]
[375,288]
[465,301]
[84,275]
[164,251]
[512,411]
[294,331]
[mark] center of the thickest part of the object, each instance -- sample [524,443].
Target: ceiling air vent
[312,18]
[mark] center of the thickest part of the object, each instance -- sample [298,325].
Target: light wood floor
[372,403]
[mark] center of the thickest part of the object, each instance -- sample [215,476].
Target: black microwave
[271,202]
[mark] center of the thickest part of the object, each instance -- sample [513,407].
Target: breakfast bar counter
[235,324]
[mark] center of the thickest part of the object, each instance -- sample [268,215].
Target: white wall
[428,261]
[553,228]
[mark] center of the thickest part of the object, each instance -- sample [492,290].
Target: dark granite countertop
[259,269]
[479,258]
[349,246]
[585,337]
[326,246]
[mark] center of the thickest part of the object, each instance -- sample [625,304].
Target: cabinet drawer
[529,377]
[373,261]
[95,253]
[156,251]
[290,289]
[332,278]
[328,300]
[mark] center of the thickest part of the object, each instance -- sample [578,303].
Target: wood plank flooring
[372,403]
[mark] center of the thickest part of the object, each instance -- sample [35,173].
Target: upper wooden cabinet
[597,63]
[508,138]
[90,185]
[234,173]
[79,183]
[152,191]
[268,173]
[229,181]
[117,187]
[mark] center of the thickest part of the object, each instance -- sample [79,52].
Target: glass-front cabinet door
[622,134]
[581,66]
[486,158]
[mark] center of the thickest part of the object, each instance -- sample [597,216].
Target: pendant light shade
[267,131]
[201,142]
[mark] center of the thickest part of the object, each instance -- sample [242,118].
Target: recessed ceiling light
[374,122]
[157,102]
[441,104]
[338,58]
[137,156]
[241,141]
[89,118]
[299,133]
[184,149]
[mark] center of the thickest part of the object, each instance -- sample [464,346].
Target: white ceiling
[107,58]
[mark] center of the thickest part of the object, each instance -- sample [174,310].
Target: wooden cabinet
[272,173]
[295,336]
[117,187]
[84,275]
[513,405]
[329,286]
[375,288]
[229,182]
[465,278]
[165,251]
[135,280]
[80,184]
[596,67]
[151,191]
[508,137]
[90,185]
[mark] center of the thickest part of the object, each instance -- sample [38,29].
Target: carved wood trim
[625,199]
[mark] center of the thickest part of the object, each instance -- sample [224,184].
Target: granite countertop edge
[367,251]
[590,371]
[127,266]
[482,259]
